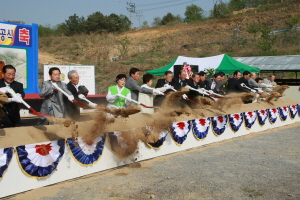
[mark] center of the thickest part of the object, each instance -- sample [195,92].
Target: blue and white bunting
[298,109]
[179,131]
[273,112]
[86,153]
[293,111]
[40,160]
[219,124]
[5,157]
[235,121]
[262,115]
[201,127]
[250,118]
[160,141]
[283,113]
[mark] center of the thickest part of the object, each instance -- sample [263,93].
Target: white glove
[15,99]
[210,91]
[157,92]
[184,96]
[169,87]
[3,90]
[254,91]
[260,91]
[118,95]
[81,96]
[19,95]
[269,86]
[71,98]
[10,91]
[200,90]
[93,105]
[55,85]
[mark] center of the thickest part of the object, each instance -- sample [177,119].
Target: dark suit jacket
[160,98]
[218,88]
[178,83]
[12,110]
[191,83]
[73,109]
[234,86]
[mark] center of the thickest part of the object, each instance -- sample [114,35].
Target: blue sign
[19,48]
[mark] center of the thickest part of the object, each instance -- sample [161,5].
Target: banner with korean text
[19,48]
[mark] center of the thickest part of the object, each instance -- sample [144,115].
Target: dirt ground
[263,165]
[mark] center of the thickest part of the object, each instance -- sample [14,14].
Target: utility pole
[131,10]
[139,15]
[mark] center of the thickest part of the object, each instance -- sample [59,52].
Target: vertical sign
[19,48]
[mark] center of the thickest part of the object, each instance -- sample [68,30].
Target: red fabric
[37,96]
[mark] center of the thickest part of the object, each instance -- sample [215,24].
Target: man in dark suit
[11,109]
[73,109]
[234,86]
[167,81]
[244,80]
[194,82]
[216,85]
[204,83]
[180,80]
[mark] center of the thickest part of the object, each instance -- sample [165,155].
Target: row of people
[120,95]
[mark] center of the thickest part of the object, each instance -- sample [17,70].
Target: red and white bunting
[250,118]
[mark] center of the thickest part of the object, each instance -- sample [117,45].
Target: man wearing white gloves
[73,109]
[11,109]
[54,100]
[133,86]
[254,84]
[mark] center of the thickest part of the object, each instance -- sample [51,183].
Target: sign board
[86,74]
[19,48]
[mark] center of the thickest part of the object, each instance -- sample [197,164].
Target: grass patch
[253,192]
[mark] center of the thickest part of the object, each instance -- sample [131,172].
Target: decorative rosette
[273,115]
[235,121]
[5,157]
[160,141]
[219,124]
[86,153]
[298,109]
[262,115]
[283,113]
[40,160]
[201,127]
[179,131]
[293,111]
[250,118]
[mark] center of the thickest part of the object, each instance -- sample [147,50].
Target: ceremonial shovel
[119,95]
[186,98]
[12,92]
[83,105]
[245,86]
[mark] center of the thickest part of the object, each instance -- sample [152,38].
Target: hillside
[152,48]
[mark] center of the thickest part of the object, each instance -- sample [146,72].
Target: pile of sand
[161,120]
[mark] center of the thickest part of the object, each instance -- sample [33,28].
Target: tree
[45,31]
[169,18]
[234,5]
[267,41]
[96,23]
[193,13]
[156,21]
[253,28]
[220,10]
[75,25]
[14,21]
[145,24]
[290,22]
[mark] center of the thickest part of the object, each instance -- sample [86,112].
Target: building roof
[273,63]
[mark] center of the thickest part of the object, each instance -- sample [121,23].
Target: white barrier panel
[15,181]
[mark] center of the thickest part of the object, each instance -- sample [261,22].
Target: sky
[53,12]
